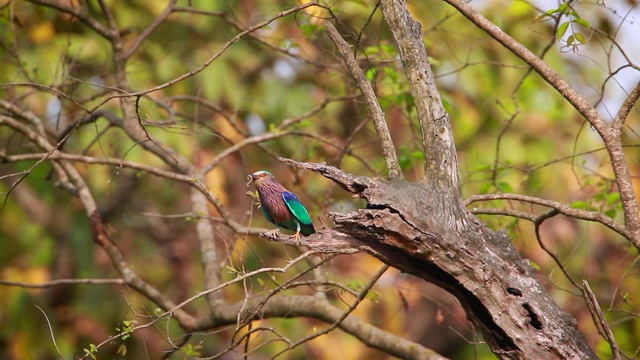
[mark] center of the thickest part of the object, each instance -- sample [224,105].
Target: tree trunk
[424,229]
[419,231]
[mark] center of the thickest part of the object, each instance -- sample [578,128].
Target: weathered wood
[413,228]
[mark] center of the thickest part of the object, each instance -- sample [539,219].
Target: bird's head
[260,176]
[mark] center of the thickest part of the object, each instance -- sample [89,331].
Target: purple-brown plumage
[270,194]
[280,206]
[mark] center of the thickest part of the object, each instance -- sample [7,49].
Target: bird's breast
[276,207]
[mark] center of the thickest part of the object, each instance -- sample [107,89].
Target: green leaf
[371,50]
[373,296]
[562,29]
[534,265]
[308,29]
[371,74]
[485,188]
[564,8]
[582,22]
[447,105]
[389,49]
[505,187]
[91,351]
[570,40]
[355,285]
[579,204]
[418,155]
[122,350]
[610,213]
[410,103]
[613,198]
[580,37]
[393,75]
[626,295]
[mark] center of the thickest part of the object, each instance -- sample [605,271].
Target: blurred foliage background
[514,134]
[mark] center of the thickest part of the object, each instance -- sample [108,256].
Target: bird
[280,206]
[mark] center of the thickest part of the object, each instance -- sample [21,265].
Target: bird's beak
[250,178]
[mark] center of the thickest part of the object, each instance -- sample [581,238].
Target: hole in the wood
[534,320]
[514,291]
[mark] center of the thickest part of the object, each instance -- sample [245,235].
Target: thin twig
[626,107]
[53,338]
[371,102]
[361,296]
[59,282]
[151,28]
[611,135]
[79,14]
[599,317]
[218,53]
[560,207]
[170,312]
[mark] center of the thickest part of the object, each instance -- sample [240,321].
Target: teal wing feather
[299,212]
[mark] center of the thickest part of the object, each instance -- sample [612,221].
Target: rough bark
[409,226]
[424,228]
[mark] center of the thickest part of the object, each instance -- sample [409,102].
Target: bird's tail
[307,229]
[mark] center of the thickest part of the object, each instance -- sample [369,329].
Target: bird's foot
[273,233]
[296,238]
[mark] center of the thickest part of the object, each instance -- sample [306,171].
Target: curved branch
[371,102]
[309,306]
[540,66]
[151,28]
[626,107]
[119,163]
[611,135]
[80,15]
[99,229]
[212,58]
[560,207]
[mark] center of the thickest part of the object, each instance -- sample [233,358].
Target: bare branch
[79,14]
[117,163]
[563,209]
[59,282]
[53,338]
[371,102]
[151,28]
[109,15]
[99,230]
[611,135]
[212,58]
[540,66]
[207,241]
[363,293]
[591,298]
[626,107]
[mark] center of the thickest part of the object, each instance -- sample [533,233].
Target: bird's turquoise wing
[297,209]
[301,220]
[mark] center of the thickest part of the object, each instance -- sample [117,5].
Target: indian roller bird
[280,206]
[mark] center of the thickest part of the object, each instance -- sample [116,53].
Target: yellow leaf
[42,32]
